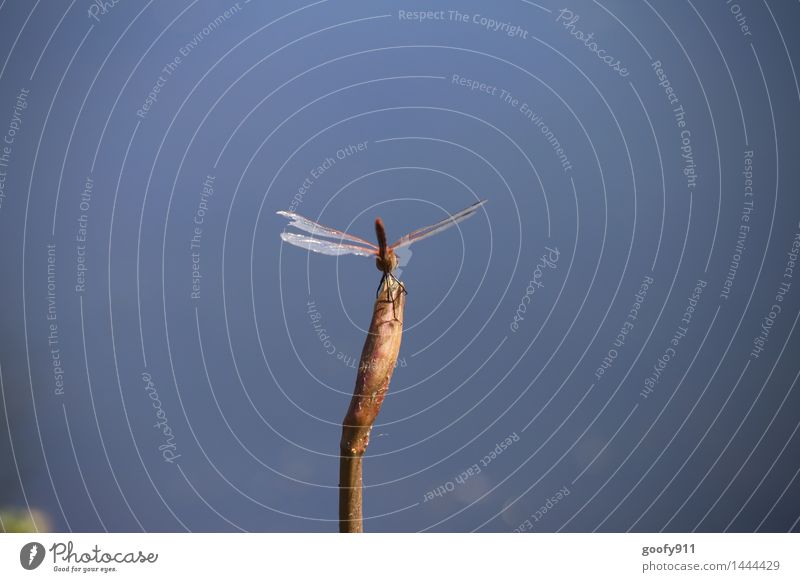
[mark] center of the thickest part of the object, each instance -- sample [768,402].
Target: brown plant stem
[375,369]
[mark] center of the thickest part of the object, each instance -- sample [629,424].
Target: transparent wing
[315,228]
[403,258]
[326,247]
[452,220]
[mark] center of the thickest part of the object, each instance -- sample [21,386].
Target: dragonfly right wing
[326,247]
[433,229]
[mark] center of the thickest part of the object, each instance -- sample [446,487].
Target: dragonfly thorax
[388,263]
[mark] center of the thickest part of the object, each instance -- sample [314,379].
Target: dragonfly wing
[315,228]
[452,220]
[325,247]
[403,257]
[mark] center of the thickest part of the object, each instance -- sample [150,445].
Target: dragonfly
[330,241]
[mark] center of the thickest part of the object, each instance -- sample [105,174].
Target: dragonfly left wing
[326,247]
[315,228]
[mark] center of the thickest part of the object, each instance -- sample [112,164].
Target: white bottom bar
[386,557]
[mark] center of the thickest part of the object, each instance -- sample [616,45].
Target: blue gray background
[254,376]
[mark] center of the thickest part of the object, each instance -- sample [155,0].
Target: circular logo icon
[31,555]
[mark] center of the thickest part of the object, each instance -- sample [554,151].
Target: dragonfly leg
[402,289]
[378,292]
[388,278]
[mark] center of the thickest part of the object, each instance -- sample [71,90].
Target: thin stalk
[375,369]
